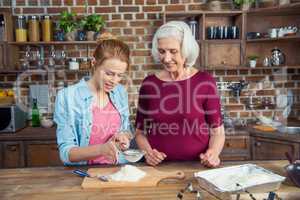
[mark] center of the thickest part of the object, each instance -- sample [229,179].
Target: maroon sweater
[176,115]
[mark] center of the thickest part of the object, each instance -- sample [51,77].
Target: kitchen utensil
[133,155]
[293,170]
[153,178]
[222,182]
[85,174]
[277,57]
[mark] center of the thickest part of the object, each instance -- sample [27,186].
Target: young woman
[92,116]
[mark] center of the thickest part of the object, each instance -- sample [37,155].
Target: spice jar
[84,64]
[21,29]
[73,64]
[33,29]
[46,28]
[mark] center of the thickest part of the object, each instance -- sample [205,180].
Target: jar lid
[21,17]
[73,59]
[32,17]
[45,17]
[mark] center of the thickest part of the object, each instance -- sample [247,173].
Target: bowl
[46,123]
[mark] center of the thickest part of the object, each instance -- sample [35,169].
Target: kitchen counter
[30,133]
[274,135]
[60,183]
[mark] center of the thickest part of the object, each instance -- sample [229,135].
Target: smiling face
[170,54]
[110,73]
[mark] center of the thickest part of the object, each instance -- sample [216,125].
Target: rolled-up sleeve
[65,133]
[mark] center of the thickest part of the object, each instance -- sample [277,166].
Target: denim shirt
[73,117]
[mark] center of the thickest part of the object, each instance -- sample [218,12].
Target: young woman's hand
[122,140]
[110,151]
[154,157]
[210,158]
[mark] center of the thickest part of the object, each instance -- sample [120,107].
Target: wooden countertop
[59,183]
[30,133]
[275,135]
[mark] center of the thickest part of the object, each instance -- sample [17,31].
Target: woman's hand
[210,158]
[122,140]
[154,157]
[109,150]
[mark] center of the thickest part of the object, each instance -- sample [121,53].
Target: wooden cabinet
[12,155]
[273,149]
[30,147]
[236,148]
[42,154]
[223,53]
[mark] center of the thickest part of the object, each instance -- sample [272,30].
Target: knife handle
[81,173]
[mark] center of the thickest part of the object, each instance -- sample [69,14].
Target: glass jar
[84,64]
[73,64]
[21,29]
[47,28]
[33,29]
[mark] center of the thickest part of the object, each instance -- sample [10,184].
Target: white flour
[128,173]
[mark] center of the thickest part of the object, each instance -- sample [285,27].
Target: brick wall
[135,21]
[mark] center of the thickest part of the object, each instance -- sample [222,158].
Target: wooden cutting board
[152,178]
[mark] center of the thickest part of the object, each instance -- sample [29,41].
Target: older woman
[178,114]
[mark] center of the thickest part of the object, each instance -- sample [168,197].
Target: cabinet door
[270,149]
[41,153]
[13,155]
[236,148]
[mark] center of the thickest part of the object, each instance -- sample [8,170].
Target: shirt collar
[86,92]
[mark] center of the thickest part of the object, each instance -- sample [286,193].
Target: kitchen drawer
[42,154]
[12,156]
[272,149]
[236,148]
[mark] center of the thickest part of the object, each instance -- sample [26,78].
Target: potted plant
[92,25]
[244,4]
[68,24]
[252,60]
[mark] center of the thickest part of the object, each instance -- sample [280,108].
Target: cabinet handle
[12,148]
[258,144]
[228,144]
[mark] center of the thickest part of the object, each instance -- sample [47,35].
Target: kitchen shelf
[249,68]
[225,41]
[289,9]
[281,39]
[54,43]
[224,13]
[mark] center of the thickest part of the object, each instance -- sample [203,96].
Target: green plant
[253,57]
[67,21]
[241,2]
[92,23]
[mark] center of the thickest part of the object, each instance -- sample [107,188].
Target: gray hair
[182,32]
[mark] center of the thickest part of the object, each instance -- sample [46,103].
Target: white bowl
[46,123]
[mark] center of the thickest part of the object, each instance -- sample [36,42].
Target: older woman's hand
[210,158]
[154,157]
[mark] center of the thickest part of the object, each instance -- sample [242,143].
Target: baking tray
[222,182]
